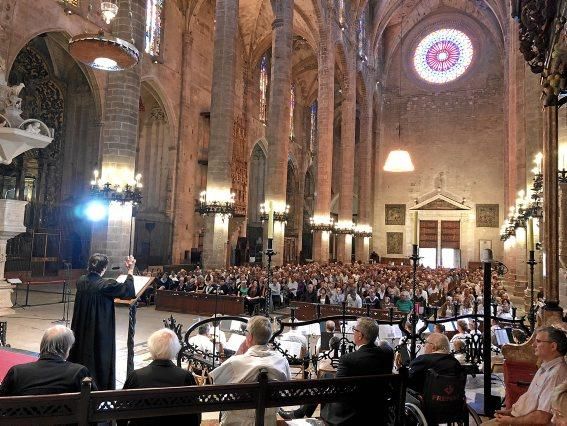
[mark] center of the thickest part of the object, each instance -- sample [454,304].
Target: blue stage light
[96,210]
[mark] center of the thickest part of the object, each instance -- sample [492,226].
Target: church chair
[444,399]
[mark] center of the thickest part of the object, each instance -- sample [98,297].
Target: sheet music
[349,326]
[449,326]
[237,325]
[234,342]
[389,331]
[501,336]
[310,329]
[139,282]
[14,280]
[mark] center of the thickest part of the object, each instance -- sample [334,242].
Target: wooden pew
[198,303]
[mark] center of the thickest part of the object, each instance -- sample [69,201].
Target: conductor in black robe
[94,320]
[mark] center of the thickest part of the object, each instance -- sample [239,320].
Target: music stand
[141,283]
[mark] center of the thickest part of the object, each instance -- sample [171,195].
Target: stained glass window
[362,36]
[264,89]
[341,12]
[291,109]
[154,18]
[443,55]
[313,130]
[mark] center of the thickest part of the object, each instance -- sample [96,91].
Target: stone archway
[58,92]
[155,161]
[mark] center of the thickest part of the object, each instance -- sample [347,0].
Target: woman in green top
[243,288]
[404,304]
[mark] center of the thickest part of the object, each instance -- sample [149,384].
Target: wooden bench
[198,303]
[100,406]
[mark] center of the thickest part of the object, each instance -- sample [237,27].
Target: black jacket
[160,374]
[48,375]
[444,364]
[366,361]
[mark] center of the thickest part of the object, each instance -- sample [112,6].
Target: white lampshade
[398,161]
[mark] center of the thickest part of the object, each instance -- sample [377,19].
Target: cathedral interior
[297,106]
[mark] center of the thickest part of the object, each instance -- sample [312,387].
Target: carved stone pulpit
[16,136]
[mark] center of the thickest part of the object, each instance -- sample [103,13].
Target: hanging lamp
[399,160]
[105,52]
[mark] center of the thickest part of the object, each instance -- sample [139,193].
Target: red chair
[517,378]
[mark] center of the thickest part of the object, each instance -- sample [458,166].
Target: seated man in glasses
[534,407]
[368,360]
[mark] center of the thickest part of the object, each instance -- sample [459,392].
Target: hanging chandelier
[108,10]
[105,52]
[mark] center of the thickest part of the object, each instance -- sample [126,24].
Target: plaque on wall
[394,242]
[395,214]
[487,216]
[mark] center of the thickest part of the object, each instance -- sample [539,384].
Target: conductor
[94,320]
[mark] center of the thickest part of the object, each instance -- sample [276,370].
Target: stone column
[277,131]
[550,211]
[348,123]
[183,195]
[325,117]
[365,177]
[120,136]
[219,180]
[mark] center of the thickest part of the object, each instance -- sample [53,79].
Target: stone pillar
[120,136]
[219,179]
[348,123]
[185,167]
[550,211]
[325,117]
[365,176]
[277,131]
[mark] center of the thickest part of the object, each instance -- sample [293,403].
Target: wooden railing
[87,407]
[308,311]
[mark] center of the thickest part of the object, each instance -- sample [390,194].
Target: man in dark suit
[51,373]
[437,357]
[162,372]
[368,360]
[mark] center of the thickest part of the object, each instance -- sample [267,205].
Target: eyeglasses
[356,329]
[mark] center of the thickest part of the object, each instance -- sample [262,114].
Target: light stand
[269,252]
[414,317]
[532,262]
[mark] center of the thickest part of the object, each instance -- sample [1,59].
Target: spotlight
[96,210]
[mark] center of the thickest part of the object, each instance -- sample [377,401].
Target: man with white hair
[160,373]
[51,373]
[245,368]
[437,357]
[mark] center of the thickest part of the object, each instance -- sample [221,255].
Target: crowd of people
[358,285]
[67,356]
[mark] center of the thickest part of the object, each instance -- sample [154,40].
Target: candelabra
[363,231]
[106,191]
[321,223]
[216,202]
[531,261]
[414,317]
[269,252]
[344,228]
[279,215]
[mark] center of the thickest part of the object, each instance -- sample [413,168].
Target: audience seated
[51,373]
[160,373]
[437,358]
[246,367]
[534,406]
